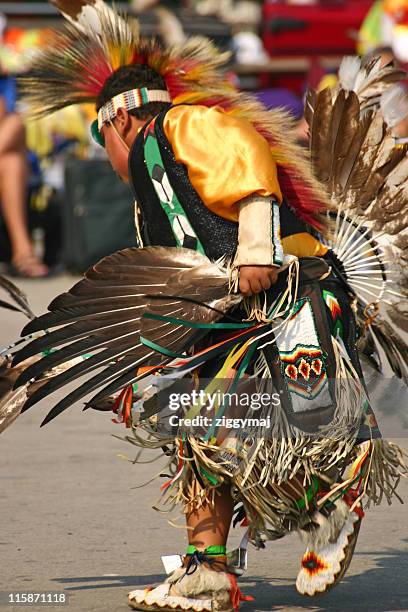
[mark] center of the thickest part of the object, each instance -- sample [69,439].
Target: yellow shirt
[227,160]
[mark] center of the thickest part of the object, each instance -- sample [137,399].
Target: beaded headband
[134,98]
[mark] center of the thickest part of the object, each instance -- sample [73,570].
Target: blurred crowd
[260,35]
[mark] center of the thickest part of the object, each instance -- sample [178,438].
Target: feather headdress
[80,58]
[78,61]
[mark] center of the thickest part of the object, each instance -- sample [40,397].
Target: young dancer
[235,283]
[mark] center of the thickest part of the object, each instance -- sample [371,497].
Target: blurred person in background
[385,30]
[13,193]
[14,181]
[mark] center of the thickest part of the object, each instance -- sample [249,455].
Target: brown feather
[394,347]
[11,400]
[112,335]
[343,139]
[346,169]
[17,296]
[320,135]
[310,103]
[398,313]
[368,178]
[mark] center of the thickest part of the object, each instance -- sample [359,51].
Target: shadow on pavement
[383,588]
[108,581]
[380,589]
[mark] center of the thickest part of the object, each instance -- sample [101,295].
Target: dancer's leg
[209,525]
[208,580]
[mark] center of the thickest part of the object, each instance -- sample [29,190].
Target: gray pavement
[72,520]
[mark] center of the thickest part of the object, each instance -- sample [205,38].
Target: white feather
[348,72]
[394,105]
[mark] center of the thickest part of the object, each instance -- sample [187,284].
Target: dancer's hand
[253,279]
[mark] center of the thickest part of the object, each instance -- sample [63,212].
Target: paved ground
[73,522]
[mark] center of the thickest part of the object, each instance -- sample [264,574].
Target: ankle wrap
[217,550]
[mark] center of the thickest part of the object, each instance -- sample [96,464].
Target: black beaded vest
[172,212]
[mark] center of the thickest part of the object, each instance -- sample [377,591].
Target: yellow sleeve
[227,160]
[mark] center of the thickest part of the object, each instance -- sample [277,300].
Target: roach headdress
[81,57]
[78,61]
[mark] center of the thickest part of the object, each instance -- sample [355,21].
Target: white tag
[171,563]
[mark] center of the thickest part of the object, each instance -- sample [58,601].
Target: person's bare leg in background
[13,193]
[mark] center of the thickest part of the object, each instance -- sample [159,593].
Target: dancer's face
[119,136]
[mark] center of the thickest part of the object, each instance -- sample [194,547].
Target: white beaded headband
[134,98]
